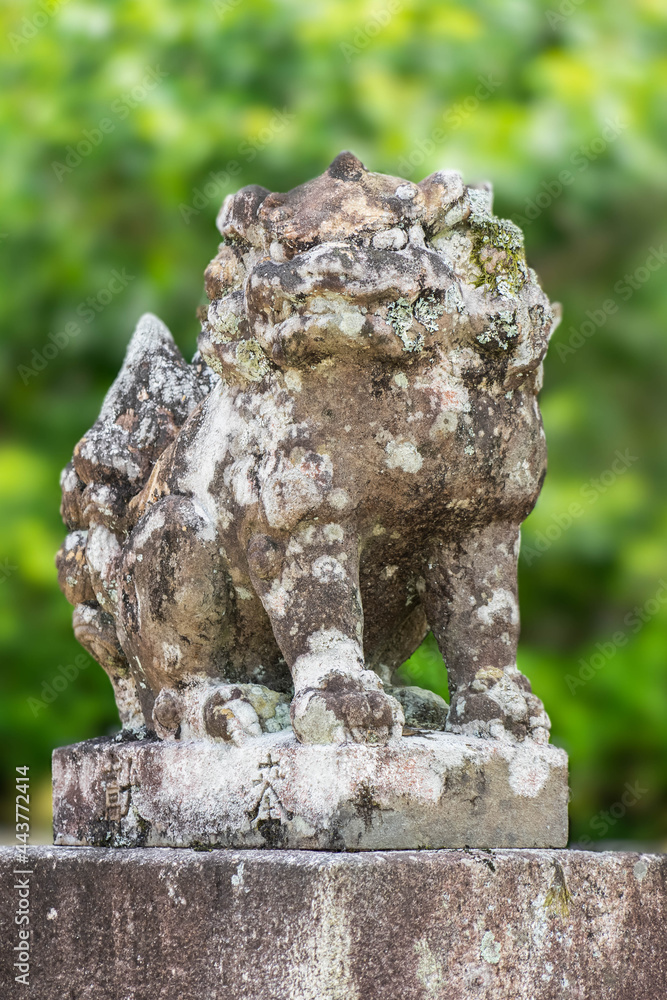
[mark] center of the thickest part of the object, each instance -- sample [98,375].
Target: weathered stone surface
[424,791]
[349,471]
[344,466]
[268,925]
[147,404]
[422,709]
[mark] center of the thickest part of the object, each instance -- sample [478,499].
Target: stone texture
[430,791]
[266,925]
[344,466]
[422,709]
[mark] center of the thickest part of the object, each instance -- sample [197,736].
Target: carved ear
[238,216]
[346,167]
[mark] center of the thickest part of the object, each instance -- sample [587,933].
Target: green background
[513,91]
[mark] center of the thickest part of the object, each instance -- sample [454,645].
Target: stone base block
[431,791]
[160,924]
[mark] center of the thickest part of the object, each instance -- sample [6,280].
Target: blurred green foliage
[173,105]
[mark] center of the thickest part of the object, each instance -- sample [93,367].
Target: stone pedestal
[164,924]
[426,791]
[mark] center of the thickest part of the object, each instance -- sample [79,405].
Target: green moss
[498,251]
[143,831]
[399,314]
[252,361]
[501,331]
[214,362]
[225,329]
[558,897]
[427,310]
[402,314]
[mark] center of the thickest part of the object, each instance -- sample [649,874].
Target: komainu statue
[260,538]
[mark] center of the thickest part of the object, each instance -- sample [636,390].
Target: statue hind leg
[176,625]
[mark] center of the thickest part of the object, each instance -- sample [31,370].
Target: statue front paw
[346,709]
[499,704]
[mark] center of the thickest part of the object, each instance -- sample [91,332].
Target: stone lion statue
[263,536]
